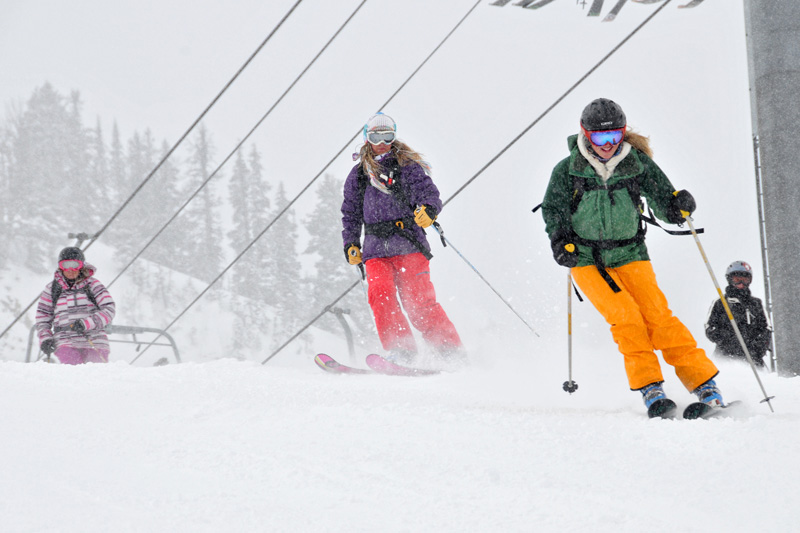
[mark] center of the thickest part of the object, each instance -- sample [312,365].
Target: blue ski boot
[709,394]
[656,401]
[710,403]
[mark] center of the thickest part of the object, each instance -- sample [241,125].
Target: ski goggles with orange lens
[70,264]
[602,138]
[381,137]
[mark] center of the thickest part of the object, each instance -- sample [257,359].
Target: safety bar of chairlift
[121,330]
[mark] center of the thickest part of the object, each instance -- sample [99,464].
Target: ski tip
[664,408]
[699,410]
[322,358]
[325,362]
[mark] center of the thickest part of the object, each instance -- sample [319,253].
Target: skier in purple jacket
[390,194]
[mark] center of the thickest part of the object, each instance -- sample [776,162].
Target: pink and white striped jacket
[73,304]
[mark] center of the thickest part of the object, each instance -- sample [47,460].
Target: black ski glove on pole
[564,251]
[681,201]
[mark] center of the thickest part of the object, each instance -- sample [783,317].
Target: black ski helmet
[739,268]
[603,114]
[71,252]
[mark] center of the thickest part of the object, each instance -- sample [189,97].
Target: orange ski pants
[642,322]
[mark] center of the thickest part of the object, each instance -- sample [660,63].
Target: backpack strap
[392,227]
[581,184]
[57,289]
[90,296]
[55,293]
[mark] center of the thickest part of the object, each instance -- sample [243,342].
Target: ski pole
[440,231]
[569,386]
[363,281]
[728,310]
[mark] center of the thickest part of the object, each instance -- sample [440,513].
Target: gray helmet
[603,114]
[739,268]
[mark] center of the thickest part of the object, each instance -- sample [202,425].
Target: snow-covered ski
[614,11]
[329,364]
[384,366]
[663,408]
[697,410]
[596,8]
[693,3]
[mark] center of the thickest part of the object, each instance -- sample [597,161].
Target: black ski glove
[78,326]
[681,201]
[564,251]
[49,346]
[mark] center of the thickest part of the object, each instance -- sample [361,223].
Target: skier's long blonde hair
[402,152]
[639,141]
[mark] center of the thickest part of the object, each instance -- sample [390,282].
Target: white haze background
[223,444]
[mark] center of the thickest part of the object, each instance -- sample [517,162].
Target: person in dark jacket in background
[592,214]
[390,194]
[749,314]
[73,311]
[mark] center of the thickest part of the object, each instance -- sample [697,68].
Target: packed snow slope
[222,444]
[236,446]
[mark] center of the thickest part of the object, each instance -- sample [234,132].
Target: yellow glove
[424,216]
[353,254]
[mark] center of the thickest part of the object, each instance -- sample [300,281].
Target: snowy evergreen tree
[135,223]
[98,174]
[5,184]
[46,175]
[200,249]
[117,177]
[166,182]
[281,268]
[249,197]
[332,273]
[250,202]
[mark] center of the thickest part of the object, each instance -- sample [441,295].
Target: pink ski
[384,366]
[328,364]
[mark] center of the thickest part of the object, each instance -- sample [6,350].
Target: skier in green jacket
[592,211]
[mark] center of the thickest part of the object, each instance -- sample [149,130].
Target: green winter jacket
[604,214]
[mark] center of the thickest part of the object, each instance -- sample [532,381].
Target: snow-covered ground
[217,444]
[236,446]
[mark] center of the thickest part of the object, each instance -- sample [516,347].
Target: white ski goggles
[381,137]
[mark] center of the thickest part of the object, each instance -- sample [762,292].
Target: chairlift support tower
[773,50]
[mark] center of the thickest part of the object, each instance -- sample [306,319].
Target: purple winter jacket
[376,206]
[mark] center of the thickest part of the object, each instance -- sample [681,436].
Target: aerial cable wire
[171,150]
[189,130]
[235,149]
[496,157]
[304,189]
[558,101]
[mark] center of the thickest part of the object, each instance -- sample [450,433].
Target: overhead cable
[308,185]
[236,148]
[496,157]
[169,153]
